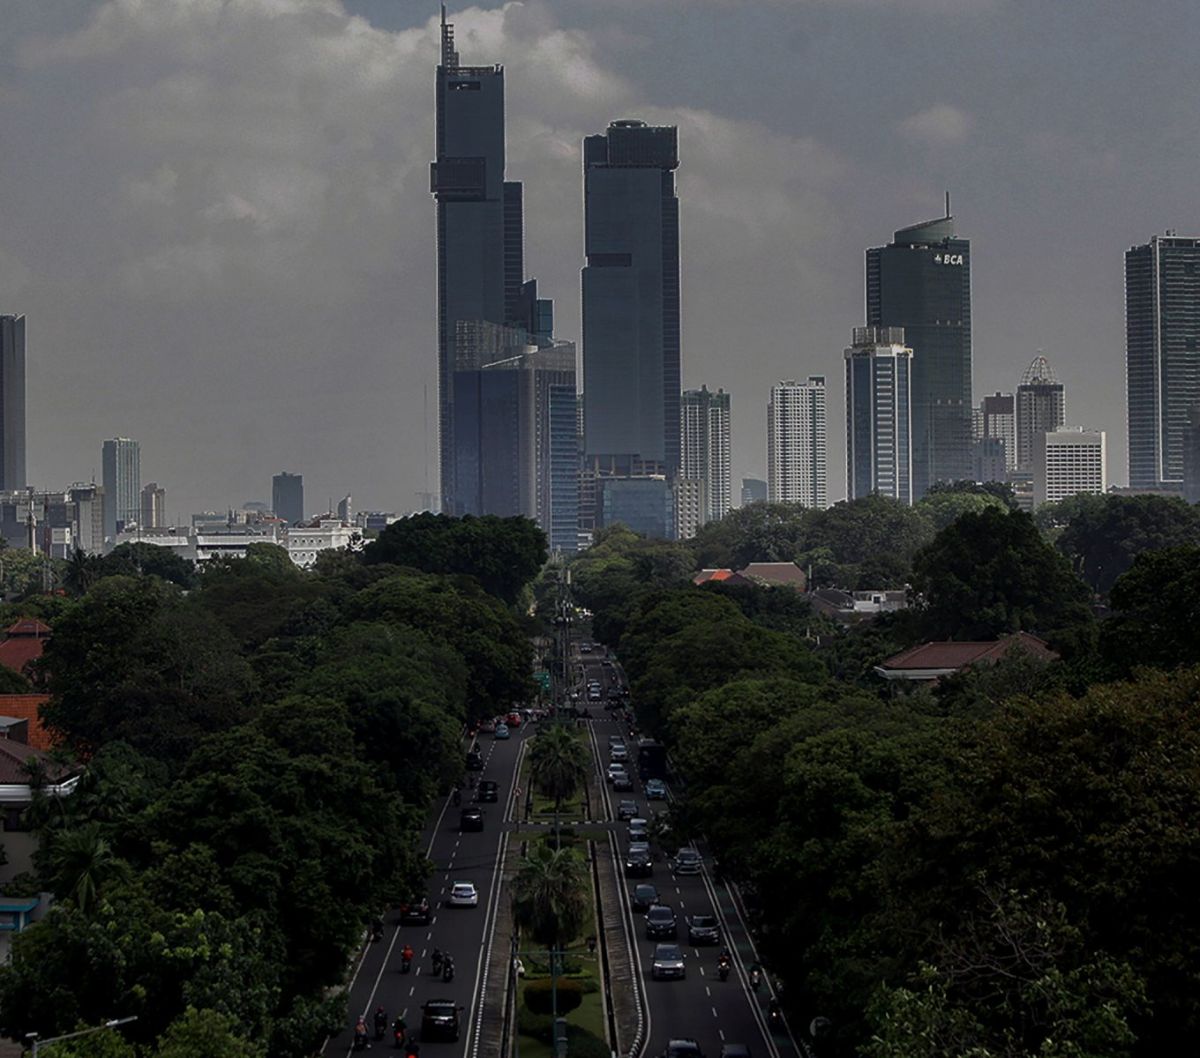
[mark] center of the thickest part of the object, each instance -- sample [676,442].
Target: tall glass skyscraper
[1162,351]
[121,466]
[921,281]
[480,226]
[879,414]
[631,339]
[12,402]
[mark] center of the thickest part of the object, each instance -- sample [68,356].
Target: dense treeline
[260,752]
[1000,866]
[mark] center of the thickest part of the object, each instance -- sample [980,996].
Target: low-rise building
[930,662]
[305,542]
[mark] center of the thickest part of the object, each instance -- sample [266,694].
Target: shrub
[539,997]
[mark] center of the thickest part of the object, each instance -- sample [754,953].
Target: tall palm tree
[558,764]
[549,895]
[83,863]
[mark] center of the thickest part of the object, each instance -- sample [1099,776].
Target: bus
[652,759]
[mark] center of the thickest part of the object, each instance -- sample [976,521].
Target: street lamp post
[112,1023]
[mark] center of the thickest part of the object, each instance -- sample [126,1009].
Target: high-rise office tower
[1162,355]
[754,490]
[998,419]
[705,448]
[1041,405]
[121,467]
[921,281]
[631,340]
[287,497]
[12,402]
[1191,456]
[796,443]
[154,506]
[879,414]
[345,509]
[480,226]
[1068,461]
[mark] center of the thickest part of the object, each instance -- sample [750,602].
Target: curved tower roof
[1039,373]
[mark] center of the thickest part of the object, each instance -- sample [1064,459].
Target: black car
[643,896]
[682,1049]
[489,792]
[660,923]
[439,1020]
[627,810]
[638,864]
[471,819]
[415,912]
[703,929]
[474,761]
[622,782]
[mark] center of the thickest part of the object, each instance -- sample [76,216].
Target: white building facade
[1068,461]
[705,448]
[797,464]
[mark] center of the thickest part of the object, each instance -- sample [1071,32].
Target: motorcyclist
[399,1028]
[448,969]
[436,960]
[456,798]
[360,1033]
[406,958]
[774,1012]
[755,978]
[376,929]
[380,1022]
[724,964]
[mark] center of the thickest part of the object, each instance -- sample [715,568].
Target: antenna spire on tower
[947,205]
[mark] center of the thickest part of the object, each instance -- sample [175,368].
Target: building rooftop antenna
[947,205]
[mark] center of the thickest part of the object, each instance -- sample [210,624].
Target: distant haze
[217,216]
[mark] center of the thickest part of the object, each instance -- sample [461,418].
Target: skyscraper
[1162,351]
[997,419]
[1068,461]
[1191,457]
[154,507]
[1041,405]
[480,225]
[879,414]
[121,461]
[796,443]
[921,281]
[631,339]
[705,448]
[12,402]
[754,490]
[287,497]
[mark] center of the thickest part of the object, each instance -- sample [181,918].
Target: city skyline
[346,281]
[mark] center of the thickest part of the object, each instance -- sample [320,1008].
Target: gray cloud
[939,125]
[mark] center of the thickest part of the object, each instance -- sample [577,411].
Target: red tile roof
[29,626]
[951,655]
[706,575]
[25,643]
[25,706]
[777,574]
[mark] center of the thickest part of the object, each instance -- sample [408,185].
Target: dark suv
[488,791]
[660,923]
[470,819]
[682,1049]
[439,1020]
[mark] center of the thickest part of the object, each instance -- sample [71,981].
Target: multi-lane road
[700,1006]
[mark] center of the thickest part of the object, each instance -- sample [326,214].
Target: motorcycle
[755,979]
[376,930]
[360,1038]
[448,970]
[380,1024]
[398,1034]
[436,961]
[456,798]
[723,969]
[775,1015]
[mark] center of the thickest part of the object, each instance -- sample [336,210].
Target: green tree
[550,895]
[761,532]
[141,558]
[945,505]
[1157,612]
[990,574]
[558,763]
[84,863]
[208,1033]
[503,554]
[82,571]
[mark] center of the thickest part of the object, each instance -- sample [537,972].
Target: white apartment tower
[1068,461]
[796,443]
[704,443]
[879,414]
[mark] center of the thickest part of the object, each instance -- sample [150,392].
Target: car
[643,896]
[639,829]
[616,769]
[415,911]
[474,761]
[639,846]
[488,792]
[439,1020]
[703,929]
[627,809]
[638,864]
[618,754]
[514,719]
[488,725]
[585,648]
[687,861]
[735,1050]
[616,740]
[501,731]
[682,1048]
[593,694]
[622,782]
[463,894]
[667,963]
[656,790]
[470,819]
[661,922]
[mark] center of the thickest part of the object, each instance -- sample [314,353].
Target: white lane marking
[482,965]
[714,1010]
[721,1033]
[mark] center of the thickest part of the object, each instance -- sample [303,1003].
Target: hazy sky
[216,215]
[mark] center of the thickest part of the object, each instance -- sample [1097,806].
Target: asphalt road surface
[463,932]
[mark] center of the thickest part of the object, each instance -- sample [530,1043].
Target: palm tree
[83,863]
[549,896]
[82,572]
[558,764]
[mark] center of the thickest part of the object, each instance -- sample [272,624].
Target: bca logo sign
[948,258]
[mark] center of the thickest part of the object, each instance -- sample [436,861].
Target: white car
[616,769]
[463,894]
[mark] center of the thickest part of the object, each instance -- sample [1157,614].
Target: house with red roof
[24,642]
[929,662]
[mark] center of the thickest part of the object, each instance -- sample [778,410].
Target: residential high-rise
[1041,405]
[121,467]
[879,414]
[705,448]
[689,498]
[287,497]
[796,443]
[154,507]
[1068,461]
[631,338]
[921,281]
[1191,456]
[754,490]
[12,402]
[480,226]
[1162,355]
[998,419]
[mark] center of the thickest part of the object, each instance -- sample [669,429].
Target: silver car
[668,962]
[687,861]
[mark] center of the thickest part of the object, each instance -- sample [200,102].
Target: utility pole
[111,1024]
